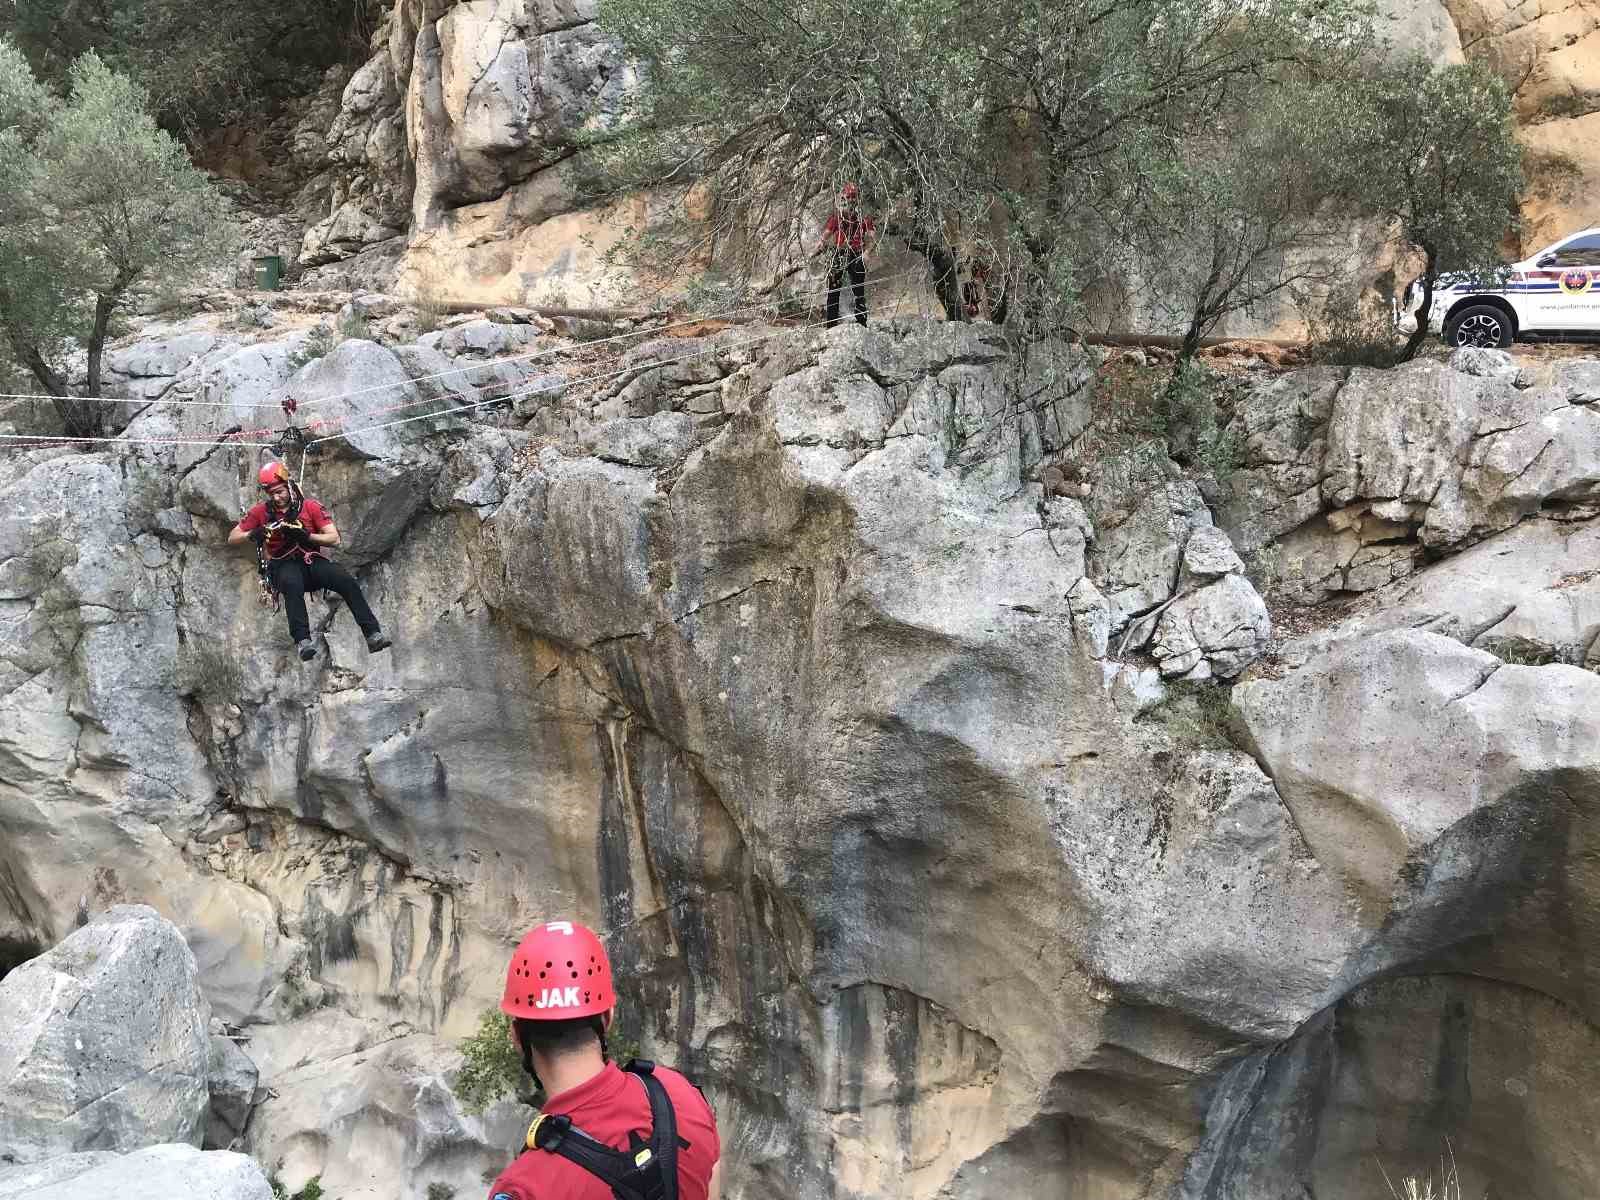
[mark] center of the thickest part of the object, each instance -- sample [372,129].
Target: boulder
[103,1041]
[1219,629]
[161,1172]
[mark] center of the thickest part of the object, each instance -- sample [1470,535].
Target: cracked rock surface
[959,837]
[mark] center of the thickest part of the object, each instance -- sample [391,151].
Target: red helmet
[558,971]
[273,472]
[850,191]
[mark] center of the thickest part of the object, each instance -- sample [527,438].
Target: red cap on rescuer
[558,971]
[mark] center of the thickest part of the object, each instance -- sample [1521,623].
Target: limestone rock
[1218,630]
[1207,555]
[793,714]
[1362,476]
[1136,563]
[160,1172]
[232,1085]
[103,1041]
[381,1113]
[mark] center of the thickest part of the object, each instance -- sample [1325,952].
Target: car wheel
[1480,325]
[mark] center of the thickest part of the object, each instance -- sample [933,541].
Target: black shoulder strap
[663,1125]
[647,1173]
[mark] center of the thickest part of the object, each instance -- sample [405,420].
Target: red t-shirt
[607,1108]
[313,516]
[849,229]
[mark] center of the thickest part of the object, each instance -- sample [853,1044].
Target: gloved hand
[293,531]
[258,535]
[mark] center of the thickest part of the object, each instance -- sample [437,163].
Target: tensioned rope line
[45,439]
[487,364]
[510,391]
[517,395]
[654,329]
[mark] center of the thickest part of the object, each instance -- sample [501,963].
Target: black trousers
[847,262]
[293,578]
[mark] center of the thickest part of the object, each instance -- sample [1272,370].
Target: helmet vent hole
[574,974]
[569,962]
[541,974]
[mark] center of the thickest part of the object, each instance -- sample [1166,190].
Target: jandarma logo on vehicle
[1577,281]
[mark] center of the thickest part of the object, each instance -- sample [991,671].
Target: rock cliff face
[449,156]
[959,835]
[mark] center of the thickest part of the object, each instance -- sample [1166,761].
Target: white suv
[1554,294]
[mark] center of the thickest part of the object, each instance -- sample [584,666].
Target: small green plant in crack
[1521,652]
[491,1068]
[208,673]
[1199,715]
[442,1191]
[353,327]
[319,343]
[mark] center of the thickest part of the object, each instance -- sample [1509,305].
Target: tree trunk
[104,305]
[1424,305]
[946,277]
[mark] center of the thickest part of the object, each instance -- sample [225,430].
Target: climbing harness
[647,1170]
[275,471]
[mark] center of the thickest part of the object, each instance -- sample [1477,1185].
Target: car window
[1580,252]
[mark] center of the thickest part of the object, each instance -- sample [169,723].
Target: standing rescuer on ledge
[293,530]
[640,1132]
[849,235]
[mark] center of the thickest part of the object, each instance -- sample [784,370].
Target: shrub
[1349,333]
[319,343]
[353,327]
[490,1067]
[1196,714]
[208,673]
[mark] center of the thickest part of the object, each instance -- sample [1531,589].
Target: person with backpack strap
[637,1132]
[849,234]
[292,532]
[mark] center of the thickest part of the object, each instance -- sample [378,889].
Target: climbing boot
[307,649]
[378,641]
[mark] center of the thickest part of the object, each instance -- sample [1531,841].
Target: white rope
[566,383]
[486,365]
[53,439]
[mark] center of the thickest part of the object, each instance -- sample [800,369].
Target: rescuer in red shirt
[849,234]
[292,532]
[604,1131]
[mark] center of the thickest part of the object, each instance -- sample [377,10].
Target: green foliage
[491,1067]
[1199,715]
[443,1191]
[204,62]
[1034,136]
[311,1191]
[208,672]
[94,201]
[319,343]
[1347,334]
[353,327]
[1432,151]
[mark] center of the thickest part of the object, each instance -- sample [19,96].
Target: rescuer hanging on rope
[292,532]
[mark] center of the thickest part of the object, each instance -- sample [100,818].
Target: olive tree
[1029,136]
[95,200]
[1432,150]
[204,63]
